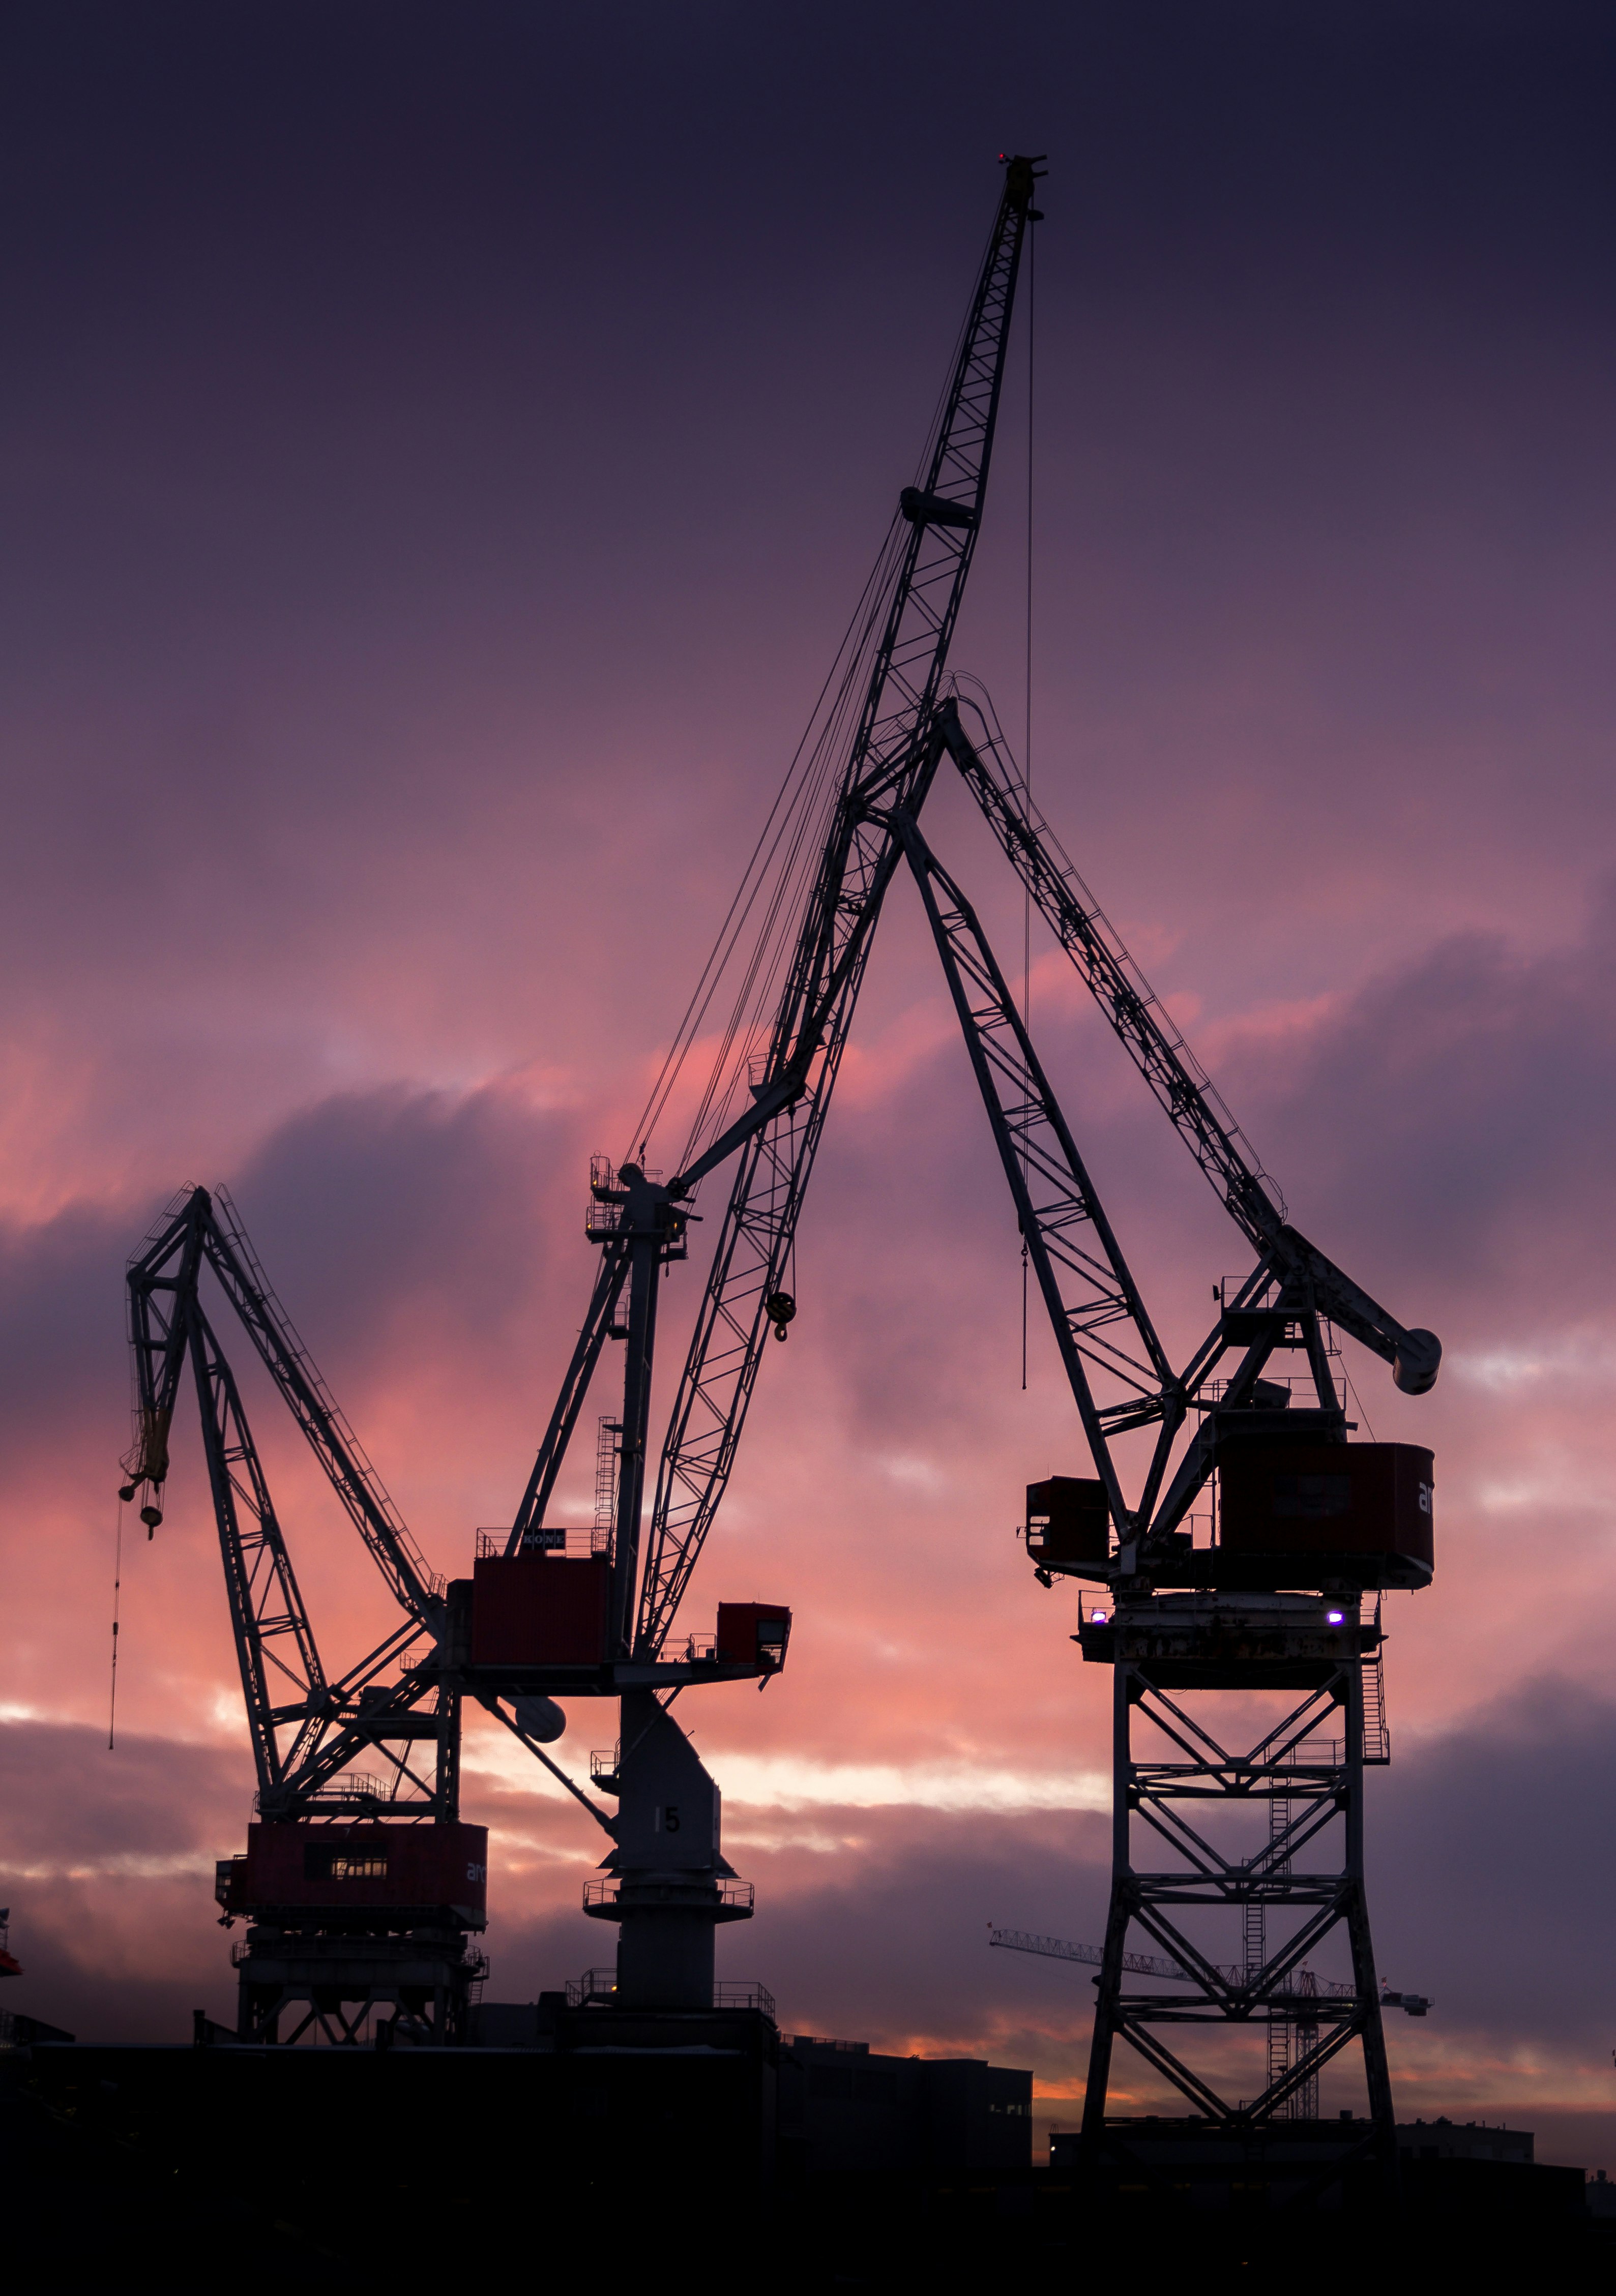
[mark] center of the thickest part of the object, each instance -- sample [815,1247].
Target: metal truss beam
[274,1642]
[1099,1319]
[1158,1050]
[598,1323]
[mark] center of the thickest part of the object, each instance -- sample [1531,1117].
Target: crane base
[408,1990]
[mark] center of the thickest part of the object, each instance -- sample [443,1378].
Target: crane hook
[779,1308]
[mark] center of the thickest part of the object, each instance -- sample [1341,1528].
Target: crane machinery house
[536,1609]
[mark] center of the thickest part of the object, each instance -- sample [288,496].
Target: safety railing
[1298,1385]
[544,1538]
[352,1786]
[601,1218]
[606,1890]
[599,1986]
[20,2031]
[743,1997]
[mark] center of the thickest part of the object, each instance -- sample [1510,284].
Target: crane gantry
[1310,1524]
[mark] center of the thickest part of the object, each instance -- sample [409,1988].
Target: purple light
[1097,1618]
[1336,1617]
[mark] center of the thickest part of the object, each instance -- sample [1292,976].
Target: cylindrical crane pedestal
[666,1884]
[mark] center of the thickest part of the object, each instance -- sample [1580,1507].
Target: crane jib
[894,757]
[302,1741]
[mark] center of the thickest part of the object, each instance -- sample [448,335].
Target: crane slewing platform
[362,1888]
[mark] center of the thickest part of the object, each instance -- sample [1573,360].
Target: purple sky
[441,450]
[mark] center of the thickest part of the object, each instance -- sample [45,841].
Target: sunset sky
[442,449]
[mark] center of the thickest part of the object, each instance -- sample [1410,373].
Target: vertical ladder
[1279,2026]
[1377,1736]
[1257,1942]
[1304,2104]
[608,1451]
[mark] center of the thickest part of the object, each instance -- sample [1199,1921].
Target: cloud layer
[440,462]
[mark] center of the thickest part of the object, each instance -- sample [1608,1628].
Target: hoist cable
[790,811]
[802,836]
[786,851]
[1032,243]
[117,1606]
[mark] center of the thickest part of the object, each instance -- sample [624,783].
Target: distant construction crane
[1139,1964]
[1274,1596]
[1292,2014]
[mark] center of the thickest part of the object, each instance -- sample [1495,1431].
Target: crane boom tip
[1417,1361]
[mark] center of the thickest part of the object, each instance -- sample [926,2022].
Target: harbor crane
[1306,1526]
[361,1886]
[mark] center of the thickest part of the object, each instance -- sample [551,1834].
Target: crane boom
[282,1675]
[1162,1058]
[1099,1318]
[597,1323]
[284,1684]
[891,762]
[201,1227]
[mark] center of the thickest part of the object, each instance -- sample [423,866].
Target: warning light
[1336,1617]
